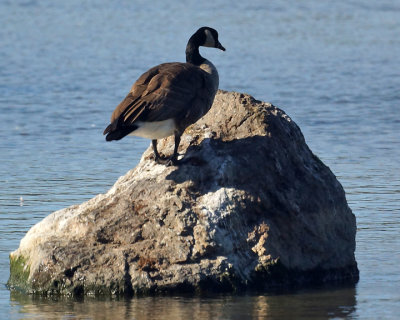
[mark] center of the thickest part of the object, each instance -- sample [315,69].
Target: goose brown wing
[161,93]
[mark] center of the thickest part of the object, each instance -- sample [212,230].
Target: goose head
[207,37]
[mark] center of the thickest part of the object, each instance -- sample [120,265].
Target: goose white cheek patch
[210,42]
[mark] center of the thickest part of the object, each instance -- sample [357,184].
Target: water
[334,67]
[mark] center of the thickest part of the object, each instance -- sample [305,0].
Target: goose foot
[167,161]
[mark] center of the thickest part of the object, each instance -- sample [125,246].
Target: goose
[168,98]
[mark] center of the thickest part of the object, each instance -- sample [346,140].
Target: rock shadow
[253,164]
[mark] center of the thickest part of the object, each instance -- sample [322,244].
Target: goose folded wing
[163,92]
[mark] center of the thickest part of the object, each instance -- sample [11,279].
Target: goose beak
[219,46]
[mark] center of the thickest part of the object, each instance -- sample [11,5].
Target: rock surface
[249,207]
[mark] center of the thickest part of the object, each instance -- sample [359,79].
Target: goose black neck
[192,53]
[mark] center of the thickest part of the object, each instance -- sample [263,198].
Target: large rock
[249,207]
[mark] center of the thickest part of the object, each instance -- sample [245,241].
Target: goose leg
[158,159]
[173,160]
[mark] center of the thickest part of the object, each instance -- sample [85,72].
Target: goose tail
[114,133]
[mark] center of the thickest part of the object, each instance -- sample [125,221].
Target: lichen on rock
[250,206]
[19,272]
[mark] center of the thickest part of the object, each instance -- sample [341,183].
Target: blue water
[334,67]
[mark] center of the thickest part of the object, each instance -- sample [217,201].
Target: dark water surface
[334,67]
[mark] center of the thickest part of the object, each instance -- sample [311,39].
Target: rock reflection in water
[332,303]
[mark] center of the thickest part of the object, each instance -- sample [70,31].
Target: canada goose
[169,97]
